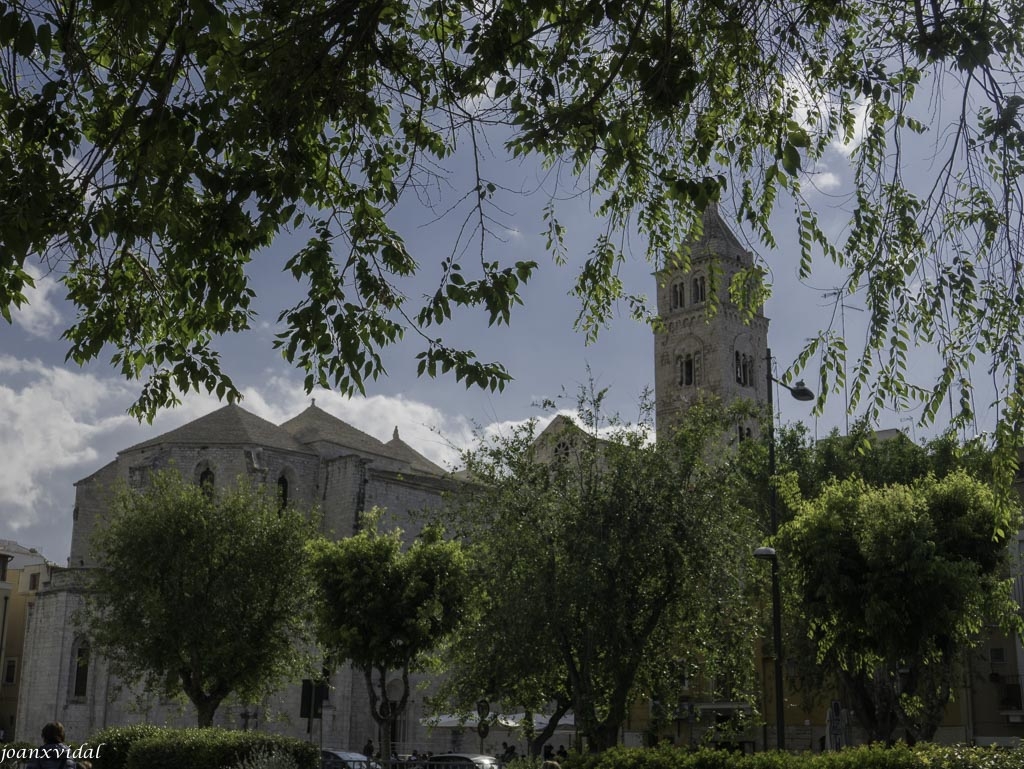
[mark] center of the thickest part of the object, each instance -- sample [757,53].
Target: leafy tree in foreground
[601,567]
[148,157]
[807,466]
[385,607]
[201,594]
[894,584]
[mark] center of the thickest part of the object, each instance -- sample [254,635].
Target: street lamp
[802,393]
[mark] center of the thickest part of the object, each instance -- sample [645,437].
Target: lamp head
[801,391]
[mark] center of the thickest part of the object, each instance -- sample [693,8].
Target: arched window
[689,369]
[206,482]
[562,450]
[282,492]
[676,300]
[80,669]
[697,295]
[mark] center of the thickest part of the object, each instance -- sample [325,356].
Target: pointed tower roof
[401,450]
[314,424]
[718,239]
[228,425]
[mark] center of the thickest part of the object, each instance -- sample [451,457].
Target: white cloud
[814,112]
[860,124]
[39,316]
[53,419]
[826,181]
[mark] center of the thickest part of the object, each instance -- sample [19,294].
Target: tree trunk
[537,743]
[206,708]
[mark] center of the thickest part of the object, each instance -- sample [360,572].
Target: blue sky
[62,422]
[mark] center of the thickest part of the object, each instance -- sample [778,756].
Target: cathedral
[312,459]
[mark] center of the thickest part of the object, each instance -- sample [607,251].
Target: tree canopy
[606,569]
[199,593]
[385,607]
[894,584]
[148,158]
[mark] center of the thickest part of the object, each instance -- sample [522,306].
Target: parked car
[462,761]
[345,759]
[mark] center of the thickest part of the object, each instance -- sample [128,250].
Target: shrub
[113,744]
[215,749]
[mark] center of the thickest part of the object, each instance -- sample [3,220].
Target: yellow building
[22,572]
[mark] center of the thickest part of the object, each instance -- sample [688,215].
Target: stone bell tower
[721,354]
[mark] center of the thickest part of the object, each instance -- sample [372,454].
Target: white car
[462,761]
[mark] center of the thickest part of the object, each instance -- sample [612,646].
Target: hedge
[924,756]
[214,749]
[145,746]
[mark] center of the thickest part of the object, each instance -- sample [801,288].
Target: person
[549,753]
[54,754]
[549,764]
[368,749]
[562,753]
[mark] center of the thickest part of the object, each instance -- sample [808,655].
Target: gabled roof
[314,424]
[228,425]
[401,450]
[556,427]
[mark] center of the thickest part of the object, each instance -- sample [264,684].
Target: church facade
[314,459]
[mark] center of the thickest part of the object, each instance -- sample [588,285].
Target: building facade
[22,573]
[313,459]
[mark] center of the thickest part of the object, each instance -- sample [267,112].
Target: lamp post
[801,393]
